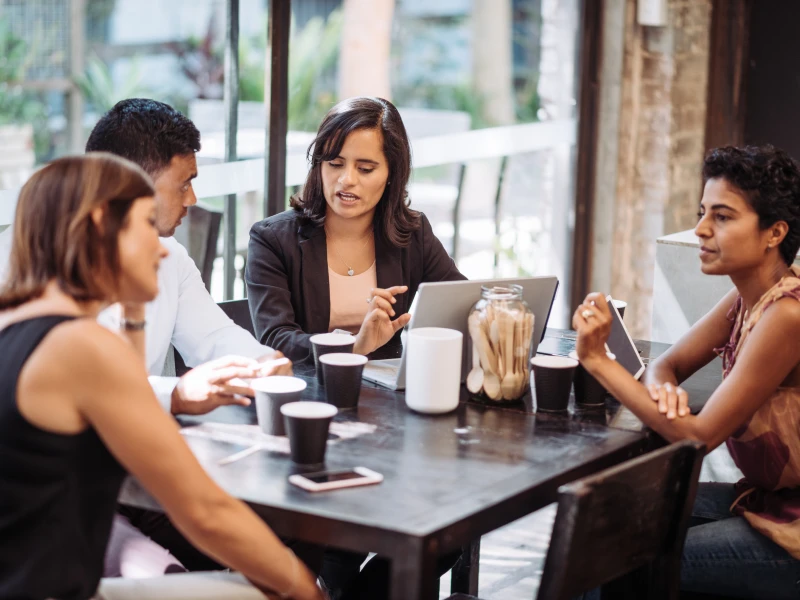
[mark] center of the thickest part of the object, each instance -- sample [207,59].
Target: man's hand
[208,386]
[673,401]
[274,363]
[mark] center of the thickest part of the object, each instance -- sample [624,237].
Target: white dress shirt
[183,314]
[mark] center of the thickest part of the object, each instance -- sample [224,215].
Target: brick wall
[660,143]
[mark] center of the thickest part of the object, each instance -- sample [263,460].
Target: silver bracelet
[130,325]
[288,593]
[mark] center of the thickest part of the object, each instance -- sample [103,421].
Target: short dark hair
[769,179]
[393,217]
[146,132]
[54,236]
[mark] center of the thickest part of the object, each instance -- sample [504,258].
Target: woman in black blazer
[352,223]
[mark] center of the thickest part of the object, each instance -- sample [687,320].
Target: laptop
[447,304]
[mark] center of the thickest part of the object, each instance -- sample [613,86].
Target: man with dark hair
[160,140]
[164,142]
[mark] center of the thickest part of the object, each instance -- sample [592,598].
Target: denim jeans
[724,555]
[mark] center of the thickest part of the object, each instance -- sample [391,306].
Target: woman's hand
[673,401]
[378,327]
[592,321]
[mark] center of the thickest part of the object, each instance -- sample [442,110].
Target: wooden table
[449,479]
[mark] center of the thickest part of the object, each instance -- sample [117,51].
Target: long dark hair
[393,217]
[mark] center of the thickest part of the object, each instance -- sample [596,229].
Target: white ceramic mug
[433,369]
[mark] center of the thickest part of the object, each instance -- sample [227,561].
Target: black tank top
[57,492]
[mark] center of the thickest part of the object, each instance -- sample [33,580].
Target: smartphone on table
[323,481]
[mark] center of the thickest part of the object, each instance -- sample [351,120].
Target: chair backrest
[627,520]
[199,233]
[239,312]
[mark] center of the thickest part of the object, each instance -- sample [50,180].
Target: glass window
[487,89]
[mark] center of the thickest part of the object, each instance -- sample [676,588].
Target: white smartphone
[323,481]
[620,343]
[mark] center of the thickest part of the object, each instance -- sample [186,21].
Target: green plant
[98,86]
[18,105]
[14,99]
[432,94]
[528,102]
[314,50]
[202,62]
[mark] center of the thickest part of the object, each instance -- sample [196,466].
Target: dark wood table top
[448,479]
[452,477]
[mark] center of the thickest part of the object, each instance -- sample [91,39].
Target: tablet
[621,344]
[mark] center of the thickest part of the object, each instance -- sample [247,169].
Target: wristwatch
[130,325]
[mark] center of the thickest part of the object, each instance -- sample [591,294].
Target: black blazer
[287,280]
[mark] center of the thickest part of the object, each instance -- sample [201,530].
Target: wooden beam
[589,68]
[729,55]
[280,15]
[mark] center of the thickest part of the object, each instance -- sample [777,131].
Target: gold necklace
[350,270]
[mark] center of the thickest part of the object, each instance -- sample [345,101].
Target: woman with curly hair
[744,538]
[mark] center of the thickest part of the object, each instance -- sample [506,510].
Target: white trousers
[216,585]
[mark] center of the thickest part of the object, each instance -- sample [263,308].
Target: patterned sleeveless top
[767,448]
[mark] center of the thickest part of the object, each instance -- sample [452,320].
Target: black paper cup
[272,393]
[620,305]
[588,391]
[342,373]
[328,343]
[307,426]
[552,377]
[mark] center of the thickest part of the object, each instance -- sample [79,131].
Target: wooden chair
[629,521]
[239,313]
[198,234]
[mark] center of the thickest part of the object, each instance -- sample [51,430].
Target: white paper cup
[272,393]
[433,369]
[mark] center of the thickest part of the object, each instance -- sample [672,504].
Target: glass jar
[500,331]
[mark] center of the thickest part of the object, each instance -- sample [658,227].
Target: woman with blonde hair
[76,410]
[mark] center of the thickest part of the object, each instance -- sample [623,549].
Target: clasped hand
[224,381]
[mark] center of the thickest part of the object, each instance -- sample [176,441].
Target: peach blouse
[349,298]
